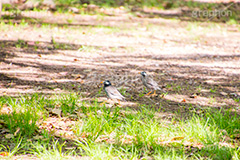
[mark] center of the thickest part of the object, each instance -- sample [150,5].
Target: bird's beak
[101,82]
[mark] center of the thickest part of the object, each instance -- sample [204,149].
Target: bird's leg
[118,102]
[154,93]
[148,93]
[104,102]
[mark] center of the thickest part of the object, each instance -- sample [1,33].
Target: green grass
[63,5]
[57,45]
[46,152]
[68,103]
[116,133]
[213,90]
[25,112]
[85,48]
[237,99]
[21,44]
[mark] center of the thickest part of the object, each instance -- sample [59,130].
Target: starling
[112,91]
[149,83]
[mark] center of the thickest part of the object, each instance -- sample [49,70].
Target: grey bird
[149,83]
[112,91]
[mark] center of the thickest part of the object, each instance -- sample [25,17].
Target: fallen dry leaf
[183,100]
[61,127]
[4,154]
[16,132]
[224,144]
[5,110]
[56,111]
[177,138]
[54,80]
[9,136]
[2,121]
[165,142]
[81,81]
[162,95]
[224,93]
[193,144]
[105,138]
[31,43]
[85,135]
[38,137]
[127,139]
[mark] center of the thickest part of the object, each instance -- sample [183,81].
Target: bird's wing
[114,93]
[153,84]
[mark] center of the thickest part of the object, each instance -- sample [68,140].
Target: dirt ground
[197,63]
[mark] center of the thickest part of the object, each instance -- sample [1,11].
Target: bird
[149,83]
[112,91]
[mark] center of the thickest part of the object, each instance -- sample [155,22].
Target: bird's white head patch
[107,83]
[144,74]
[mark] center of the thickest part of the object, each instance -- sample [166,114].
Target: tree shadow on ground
[184,80]
[64,21]
[191,87]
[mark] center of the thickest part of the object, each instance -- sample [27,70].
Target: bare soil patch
[198,64]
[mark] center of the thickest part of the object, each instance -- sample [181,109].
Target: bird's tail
[160,89]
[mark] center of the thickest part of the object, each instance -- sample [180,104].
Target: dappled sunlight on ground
[64,57]
[184,57]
